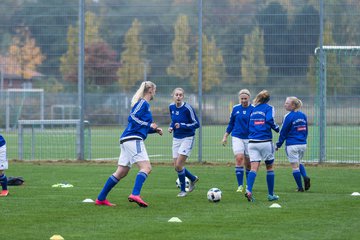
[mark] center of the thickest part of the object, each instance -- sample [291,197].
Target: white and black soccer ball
[214,195]
[187,183]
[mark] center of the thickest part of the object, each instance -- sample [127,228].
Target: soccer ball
[187,183]
[214,195]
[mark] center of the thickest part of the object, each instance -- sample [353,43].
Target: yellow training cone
[56,237]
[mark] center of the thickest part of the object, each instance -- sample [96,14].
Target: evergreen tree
[180,65]
[253,66]
[132,62]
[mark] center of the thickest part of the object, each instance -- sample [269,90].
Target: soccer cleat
[273,197]
[307,183]
[104,202]
[192,184]
[4,193]
[138,200]
[240,189]
[300,190]
[249,197]
[182,194]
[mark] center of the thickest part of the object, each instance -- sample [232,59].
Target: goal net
[52,139]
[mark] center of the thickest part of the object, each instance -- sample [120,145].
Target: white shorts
[295,152]
[182,146]
[131,152]
[261,151]
[240,146]
[3,158]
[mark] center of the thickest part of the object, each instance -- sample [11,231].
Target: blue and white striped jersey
[186,117]
[2,141]
[294,129]
[261,122]
[239,121]
[139,121]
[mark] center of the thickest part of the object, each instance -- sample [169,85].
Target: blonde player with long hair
[261,124]
[238,127]
[294,131]
[133,151]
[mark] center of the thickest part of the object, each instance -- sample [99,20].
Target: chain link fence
[245,44]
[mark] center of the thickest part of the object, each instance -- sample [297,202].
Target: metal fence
[243,44]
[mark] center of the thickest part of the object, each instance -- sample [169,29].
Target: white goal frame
[22,90]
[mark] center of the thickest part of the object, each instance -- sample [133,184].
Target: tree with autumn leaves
[100,59]
[23,55]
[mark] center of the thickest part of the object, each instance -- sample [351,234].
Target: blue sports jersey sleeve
[139,121]
[185,116]
[2,141]
[284,130]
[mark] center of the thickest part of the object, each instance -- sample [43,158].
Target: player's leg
[302,168]
[292,154]
[3,166]
[268,151]
[144,171]
[239,149]
[184,152]
[179,167]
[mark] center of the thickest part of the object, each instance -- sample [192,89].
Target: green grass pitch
[38,211]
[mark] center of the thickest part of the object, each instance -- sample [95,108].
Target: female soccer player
[238,127]
[260,143]
[3,166]
[294,131]
[133,150]
[183,124]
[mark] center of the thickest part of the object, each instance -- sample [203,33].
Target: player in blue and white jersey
[238,127]
[294,131]
[261,124]
[3,166]
[184,123]
[140,123]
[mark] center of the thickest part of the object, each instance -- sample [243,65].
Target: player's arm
[270,119]
[285,129]
[194,124]
[229,128]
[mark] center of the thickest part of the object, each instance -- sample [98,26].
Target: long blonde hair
[262,97]
[143,89]
[297,102]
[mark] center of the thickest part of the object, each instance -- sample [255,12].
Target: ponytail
[140,93]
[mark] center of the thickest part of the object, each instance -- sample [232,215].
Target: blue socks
[239,171]
[189,175]
[3,181]
[139,181]
[181,176]
[110,183]
[297,177]
[251,180]
[270,179]
[302,170]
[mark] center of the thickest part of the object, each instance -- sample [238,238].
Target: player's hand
[159,131]
[224,142]
[153,126]
[177,125]
[170,129]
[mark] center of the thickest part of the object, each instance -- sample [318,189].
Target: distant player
[238,127]
[184,123]
[260,143]
[294,131]
[3,167]
[133,150]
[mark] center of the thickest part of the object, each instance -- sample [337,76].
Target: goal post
[51,139]
[327,55]
[20,99]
